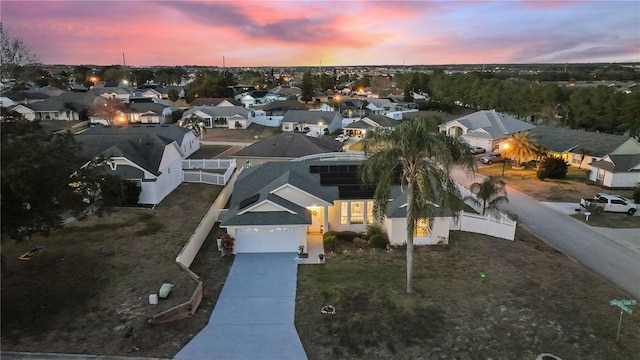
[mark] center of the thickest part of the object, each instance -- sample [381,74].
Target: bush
[346,236]
[330,242]
[555,167]
[379,241]
[636,195]
[374,229]
[542,174]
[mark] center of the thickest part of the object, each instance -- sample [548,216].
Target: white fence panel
[208,164]
[500,226]
[204,177]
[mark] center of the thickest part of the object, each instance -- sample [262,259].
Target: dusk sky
[306,32]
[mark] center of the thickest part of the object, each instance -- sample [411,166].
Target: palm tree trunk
[410,229]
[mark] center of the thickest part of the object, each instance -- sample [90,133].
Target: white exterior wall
[626,179]
[190,144]
[271,121]
[397,231]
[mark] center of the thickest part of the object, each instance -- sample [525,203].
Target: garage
[281,239]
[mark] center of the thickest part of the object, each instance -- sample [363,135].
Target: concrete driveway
[254,315]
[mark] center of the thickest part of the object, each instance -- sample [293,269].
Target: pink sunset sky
[331,33]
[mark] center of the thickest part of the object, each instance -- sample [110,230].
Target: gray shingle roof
[285,105]
[145,150]
[563,140]
[491,124]
[290,146]
[224,111]
[310,117]
[620,163]
[168,131]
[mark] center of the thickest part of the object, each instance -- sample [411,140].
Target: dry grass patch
[530,300]
[92,281]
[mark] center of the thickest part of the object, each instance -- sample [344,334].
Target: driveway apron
[254,315]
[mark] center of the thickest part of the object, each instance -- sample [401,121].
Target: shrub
[330,242]
[636,195]
[542,174]
[379,241]
[555,167]
[226,243]
[374,229]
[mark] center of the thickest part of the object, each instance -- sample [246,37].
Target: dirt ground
[91,282]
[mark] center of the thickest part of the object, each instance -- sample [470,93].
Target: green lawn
[530,300]
[610,220]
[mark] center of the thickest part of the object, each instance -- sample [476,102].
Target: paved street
[616,263]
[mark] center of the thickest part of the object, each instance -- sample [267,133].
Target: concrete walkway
[254,315]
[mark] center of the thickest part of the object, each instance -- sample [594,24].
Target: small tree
[490,194]
[521,147]
[195,124]
[554,167]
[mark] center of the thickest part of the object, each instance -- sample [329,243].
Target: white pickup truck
[611,202]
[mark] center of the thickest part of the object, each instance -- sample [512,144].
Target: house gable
[298,196]
[266,206]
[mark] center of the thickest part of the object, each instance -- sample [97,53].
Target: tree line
[594,108]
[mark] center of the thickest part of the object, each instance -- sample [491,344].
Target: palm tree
[521,147]
[195,124]
[424,158]
[490,193]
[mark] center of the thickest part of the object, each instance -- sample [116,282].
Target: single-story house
[484,128]
[232,117]
[280,108]
[577,147]
[285,146]
[275,205]
[315,122]
[119,93]
[359,128]
[620,168]
[152,161]
[148,112]
[55,110]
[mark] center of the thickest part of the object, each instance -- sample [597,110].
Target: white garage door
[267,240]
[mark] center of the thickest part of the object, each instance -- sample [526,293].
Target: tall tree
[307,87]
[37,177]
[520,147]
[425,158]
[111,110]
[490,193]
[14,54]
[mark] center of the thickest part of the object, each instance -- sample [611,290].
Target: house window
[357,212]
[600,174]
[369,212]
[344,213]
[422,228]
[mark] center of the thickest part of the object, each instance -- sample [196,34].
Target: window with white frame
[357,212]
[369,212]
[344,213]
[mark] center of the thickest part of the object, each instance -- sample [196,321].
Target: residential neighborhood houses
[283,192]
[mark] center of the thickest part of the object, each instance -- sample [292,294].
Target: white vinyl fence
[194,174]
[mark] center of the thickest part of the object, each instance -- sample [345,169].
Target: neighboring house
[148,113]
[359,128]
[285,147]
[276,204]
[281,107]
[380,106]
[119,93]
[577,147]
[152,161]
[288,92]
[315,122]
[232,117]
[620,168]
[484,128]
[54,110]
[9,98]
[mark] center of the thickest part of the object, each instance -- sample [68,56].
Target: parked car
[478,150]
[342,137]
[491,158]
[611,202]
